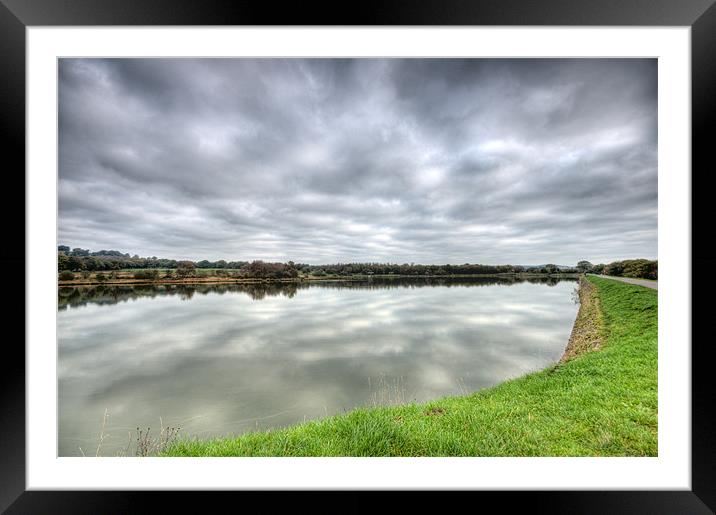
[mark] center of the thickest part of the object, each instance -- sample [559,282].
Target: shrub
[186,269]
[66,276]
[263,270]
[146,274]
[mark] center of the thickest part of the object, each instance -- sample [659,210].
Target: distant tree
[186,268]
[146,274]
[114,253]
[637,268]
[615,268]
[63,262]
[550,268]
[79,252]
[63,248]
[92,263]
[584,266]
[261,269]
[640,268]
[75,263]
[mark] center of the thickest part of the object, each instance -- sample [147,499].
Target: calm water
[227,359]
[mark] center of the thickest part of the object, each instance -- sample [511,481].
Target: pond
[225,359]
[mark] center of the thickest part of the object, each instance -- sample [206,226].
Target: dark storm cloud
[428,160]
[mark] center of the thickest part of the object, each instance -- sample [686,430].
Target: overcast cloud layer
[519,161]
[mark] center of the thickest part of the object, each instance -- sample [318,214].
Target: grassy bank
[599,402]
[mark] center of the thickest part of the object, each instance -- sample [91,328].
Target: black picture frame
[17,15]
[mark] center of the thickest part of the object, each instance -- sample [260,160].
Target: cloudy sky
[519,161]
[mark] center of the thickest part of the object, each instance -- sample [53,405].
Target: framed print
[251,238]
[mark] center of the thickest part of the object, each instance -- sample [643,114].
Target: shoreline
[588,328]
[254,280]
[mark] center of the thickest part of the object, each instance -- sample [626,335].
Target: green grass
[602,403]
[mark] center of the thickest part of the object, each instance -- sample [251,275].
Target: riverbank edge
[299,280]
[588,329]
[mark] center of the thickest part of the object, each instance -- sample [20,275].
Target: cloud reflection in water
[235,358]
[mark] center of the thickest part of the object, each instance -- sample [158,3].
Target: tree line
[634,268]
[84,261]
[79,259]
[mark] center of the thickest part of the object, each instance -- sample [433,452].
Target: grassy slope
[603,403]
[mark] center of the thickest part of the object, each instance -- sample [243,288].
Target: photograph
[357,257]
[447,247]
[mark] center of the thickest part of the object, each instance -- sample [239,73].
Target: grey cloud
[426,160]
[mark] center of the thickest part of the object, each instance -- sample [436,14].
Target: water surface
[226,359]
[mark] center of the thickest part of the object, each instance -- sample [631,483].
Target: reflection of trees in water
[109,294]
[409,282]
